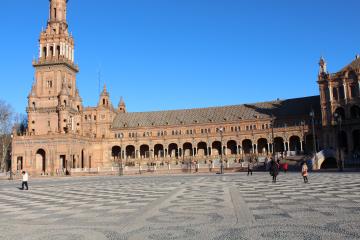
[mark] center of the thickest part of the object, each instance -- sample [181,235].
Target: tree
[6,123]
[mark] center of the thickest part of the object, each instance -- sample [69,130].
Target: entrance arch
[144,151]
[329,163]
[262,145]
[231,146]
[41,160]
[173,150]
[188,150]
[115,152]
[202,149]
[279,144]
[247,146]
[130,151]
[159,150]
[216,148]
[295,143]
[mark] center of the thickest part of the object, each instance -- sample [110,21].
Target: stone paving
[232,206]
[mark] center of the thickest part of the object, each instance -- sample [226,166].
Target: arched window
[335,94]
[341,92]
[354,91]
[44,51]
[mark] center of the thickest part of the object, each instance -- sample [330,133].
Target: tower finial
[322,64]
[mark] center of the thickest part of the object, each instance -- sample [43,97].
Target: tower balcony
[55,60]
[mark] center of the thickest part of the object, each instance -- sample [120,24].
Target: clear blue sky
[174,54]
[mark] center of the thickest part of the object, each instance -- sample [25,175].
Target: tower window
[103,101]
[55,12]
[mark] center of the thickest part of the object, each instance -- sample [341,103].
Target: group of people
[275,168]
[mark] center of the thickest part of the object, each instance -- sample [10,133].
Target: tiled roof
[280,109]
[353,65]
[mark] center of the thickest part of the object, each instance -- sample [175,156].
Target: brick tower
[54,104]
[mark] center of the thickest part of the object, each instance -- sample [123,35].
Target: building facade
[63,134]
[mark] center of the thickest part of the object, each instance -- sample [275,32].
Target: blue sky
[175,54]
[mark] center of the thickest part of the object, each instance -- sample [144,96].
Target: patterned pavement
[232,206]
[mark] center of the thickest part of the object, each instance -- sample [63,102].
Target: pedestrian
[250,168]
[304,172]
[25,179]
[274,169]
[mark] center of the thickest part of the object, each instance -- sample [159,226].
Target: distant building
[63,134]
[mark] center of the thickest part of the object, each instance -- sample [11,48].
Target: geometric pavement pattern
[232,206]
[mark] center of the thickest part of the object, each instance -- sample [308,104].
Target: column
[268,144]
[47,49]
[40,51]
[62,49]
[301,146]
[73,55]
[285,146]
[66,51]
[331,93]
[345,90]
[54,52]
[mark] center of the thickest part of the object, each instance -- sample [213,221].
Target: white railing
[164,168]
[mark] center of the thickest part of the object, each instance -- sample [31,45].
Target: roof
[279,109]
[353,65]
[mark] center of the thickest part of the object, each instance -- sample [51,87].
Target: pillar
[301,146]
[54,52]
[40,51]
[47,49]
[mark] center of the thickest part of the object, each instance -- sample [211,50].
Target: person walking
[304,172]
[250,168]
[25,179]
[274,170]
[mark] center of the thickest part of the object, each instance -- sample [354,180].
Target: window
[354,91]
[335,94]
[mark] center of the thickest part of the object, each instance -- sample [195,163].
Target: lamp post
[312,115]
[272,136]
[10,165]
[221,130]
[338,120]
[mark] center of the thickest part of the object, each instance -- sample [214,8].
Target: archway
[115,152]
[130,151]
[340,112]
[41,160]
[355,112]
[262,145]
[231,146]
[295,144]
[173,150]
[144,151]
[247,146]
[188,151]
[279,144]
[216,148]
[202,149]
[159,150]
[356,140]
[329,163]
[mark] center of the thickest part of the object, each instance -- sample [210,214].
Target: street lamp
[10,165]
[312,115]
[221,130]
[338,120]
[272,136]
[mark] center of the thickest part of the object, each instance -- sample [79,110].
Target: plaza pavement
[232,206]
